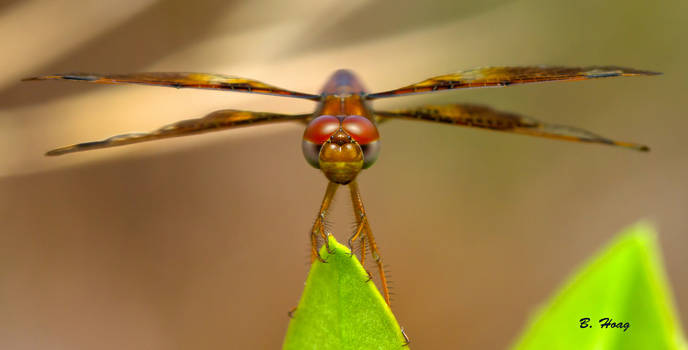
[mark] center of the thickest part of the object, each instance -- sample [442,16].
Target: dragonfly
[341,137]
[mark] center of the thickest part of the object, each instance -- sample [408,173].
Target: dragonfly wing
[181,80]
[484,117]
[505,76]
[215,121]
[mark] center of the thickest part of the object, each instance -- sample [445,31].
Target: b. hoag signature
[606,322]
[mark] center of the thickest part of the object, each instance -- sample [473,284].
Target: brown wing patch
[181,80]
[505,76]
[487,118]
[216,121]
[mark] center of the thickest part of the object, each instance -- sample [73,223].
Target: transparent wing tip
[59,151]
[635,146]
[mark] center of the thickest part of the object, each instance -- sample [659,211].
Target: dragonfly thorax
[341,146]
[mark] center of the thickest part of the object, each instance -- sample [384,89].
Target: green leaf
[626,283]
[341,309]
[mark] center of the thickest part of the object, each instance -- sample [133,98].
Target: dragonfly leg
[359,230]
[319,225]
[363,251]
[370,276]
[359,211]
[407,341]
[362,221]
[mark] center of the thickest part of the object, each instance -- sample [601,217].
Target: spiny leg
[361,222]
[363,251]
[319,225]
[292,312]
[407,341]
[369,239]
[360,218]
[362,247]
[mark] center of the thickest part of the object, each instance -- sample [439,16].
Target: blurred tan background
[201,242]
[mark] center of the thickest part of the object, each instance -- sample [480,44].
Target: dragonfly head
[341,146]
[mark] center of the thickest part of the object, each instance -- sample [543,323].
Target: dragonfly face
[342,139]
[341,146]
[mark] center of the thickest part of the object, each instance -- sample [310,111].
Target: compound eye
[311,151]
[320,129]
[370,153]
[361,129]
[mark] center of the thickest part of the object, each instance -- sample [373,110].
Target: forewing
[216,121]
[505,76]
[487,118]
[181,80]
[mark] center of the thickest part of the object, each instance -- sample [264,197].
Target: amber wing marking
[216,121]
[181,80]
[487,118]
[505,76]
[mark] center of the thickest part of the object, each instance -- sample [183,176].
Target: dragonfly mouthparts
[340,138]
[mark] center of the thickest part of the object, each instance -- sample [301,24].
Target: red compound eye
[321,128]
[361,129]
